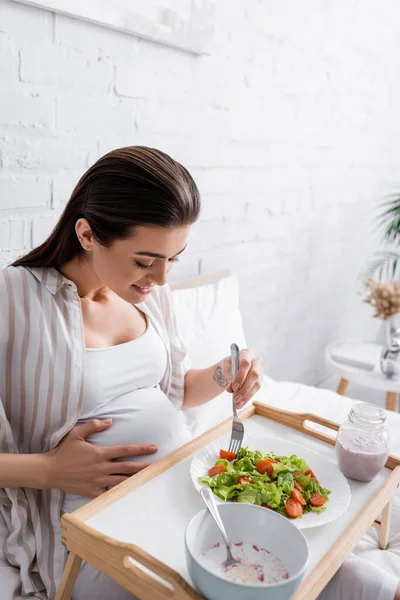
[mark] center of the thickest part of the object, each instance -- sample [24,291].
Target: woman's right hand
[79,467]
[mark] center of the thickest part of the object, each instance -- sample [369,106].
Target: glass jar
[362,443]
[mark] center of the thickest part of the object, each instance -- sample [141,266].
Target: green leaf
[299,463]
[293,463]
[258,456]
[219,480]
[244,451]
[223,492]
[303,480]
[226,464]
[282,468]
[318,509]
[389,221]
[316,488]
[382,262]
[244,464]
[227,493]
[271,495]
[258,478]
[285,481]
[251,495]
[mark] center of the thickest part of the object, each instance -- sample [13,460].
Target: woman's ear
[84,234]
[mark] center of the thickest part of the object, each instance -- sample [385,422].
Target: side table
[359,362]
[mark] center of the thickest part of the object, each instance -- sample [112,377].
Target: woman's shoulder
[11,281]
[17,284]
[13,277]
[22,287]
[9,276]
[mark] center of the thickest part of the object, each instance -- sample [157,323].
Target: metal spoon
[207,496]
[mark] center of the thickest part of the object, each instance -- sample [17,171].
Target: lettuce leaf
[293,463]
[281,468]
[316,488]
[318,509]
[258,478]
[227,493]
[223,479]
[244,464]
[299,463]
[250,494]
[271,495]
[285,481]
[221,461]
[242,453]
[258,456]
[303,480]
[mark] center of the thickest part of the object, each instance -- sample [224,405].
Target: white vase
[390,363]
[387,329]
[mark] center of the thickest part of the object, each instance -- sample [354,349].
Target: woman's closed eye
[141,265]
[147,267]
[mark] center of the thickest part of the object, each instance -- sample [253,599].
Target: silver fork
[237,425]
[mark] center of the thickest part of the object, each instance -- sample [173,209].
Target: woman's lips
[142,289]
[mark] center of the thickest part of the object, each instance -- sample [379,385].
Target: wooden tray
[157,581]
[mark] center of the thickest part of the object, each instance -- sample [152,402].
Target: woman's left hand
[248,379]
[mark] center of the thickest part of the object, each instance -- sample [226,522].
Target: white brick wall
[290,126]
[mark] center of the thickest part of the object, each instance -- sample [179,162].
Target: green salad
[285,484]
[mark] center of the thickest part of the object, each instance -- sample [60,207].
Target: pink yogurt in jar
[362,443]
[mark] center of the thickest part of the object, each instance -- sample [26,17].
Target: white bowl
[252,524]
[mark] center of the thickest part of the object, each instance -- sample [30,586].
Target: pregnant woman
[93,376]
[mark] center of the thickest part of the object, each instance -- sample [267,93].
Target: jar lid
[367,415]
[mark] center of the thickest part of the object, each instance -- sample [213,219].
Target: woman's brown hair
[125,188]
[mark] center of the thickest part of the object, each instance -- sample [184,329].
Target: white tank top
[122,383]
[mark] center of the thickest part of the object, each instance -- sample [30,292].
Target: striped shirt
[41,391]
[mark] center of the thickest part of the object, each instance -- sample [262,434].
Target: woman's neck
[80,271]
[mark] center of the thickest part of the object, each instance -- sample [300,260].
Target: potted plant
[385,264]
[382,279]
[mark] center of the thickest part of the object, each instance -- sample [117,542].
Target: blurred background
[286,113]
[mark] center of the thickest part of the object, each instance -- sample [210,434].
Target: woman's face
[131,267]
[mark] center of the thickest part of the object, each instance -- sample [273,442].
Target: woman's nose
[159,275]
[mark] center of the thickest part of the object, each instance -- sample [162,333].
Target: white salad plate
[326,472]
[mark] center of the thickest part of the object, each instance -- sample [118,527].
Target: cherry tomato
[298,496]
[225,454]
[309,472]
[244,480]
[216,470]
[267,506]
[265,466]
[235,499]
[293,508]
[317,500]
[299,487]
[297,473]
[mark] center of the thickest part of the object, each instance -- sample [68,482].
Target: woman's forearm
[24,470]
[202,385]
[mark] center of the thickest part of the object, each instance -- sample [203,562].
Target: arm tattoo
[220,378]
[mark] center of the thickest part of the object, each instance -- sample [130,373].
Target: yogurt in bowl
[272,550]
[256,565]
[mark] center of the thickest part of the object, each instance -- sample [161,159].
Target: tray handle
[299,421]
[111,557]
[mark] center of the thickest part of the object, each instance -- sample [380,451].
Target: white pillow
[209,321]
